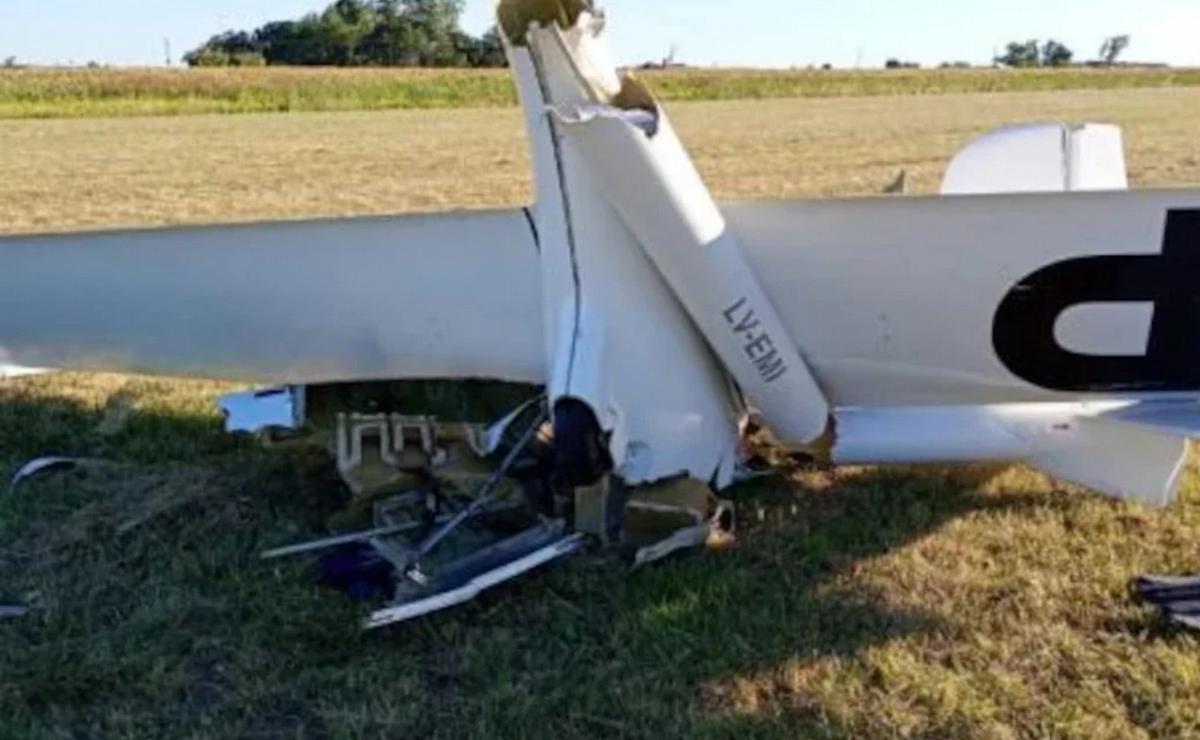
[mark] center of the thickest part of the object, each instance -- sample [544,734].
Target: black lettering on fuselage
[756,342]
[1023,333]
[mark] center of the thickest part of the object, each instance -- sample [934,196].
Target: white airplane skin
[1036,311]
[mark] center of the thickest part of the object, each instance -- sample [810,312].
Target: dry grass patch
[130,172]
[92,93]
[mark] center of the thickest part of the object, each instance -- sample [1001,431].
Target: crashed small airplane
[1037,311]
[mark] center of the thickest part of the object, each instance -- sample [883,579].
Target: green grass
[982,603]
[85,93]
[977,603]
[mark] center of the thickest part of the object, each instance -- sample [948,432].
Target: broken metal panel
[553,549]
[1179,598]
[632,355]
[659,521]
[41,465]
[340,540]
[688,241]
[13,611]
[450,400]
[636,165]
[440,550]
[8,372]
[377,453]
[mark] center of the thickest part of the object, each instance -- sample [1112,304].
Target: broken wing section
[1127,450]
[1132,461]
[445,296]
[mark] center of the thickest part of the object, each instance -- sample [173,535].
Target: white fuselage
[908,329]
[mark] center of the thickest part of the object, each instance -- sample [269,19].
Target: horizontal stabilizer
[1133,461]
[1126,450]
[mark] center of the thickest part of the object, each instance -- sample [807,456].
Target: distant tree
[299,42]
[396,41]
[343,28]
[10,62]
[1055,54]
[216,58]
[1033,53]
[439,16]
[1021,55]
[229,49]
[487,50]
[1113,48]
[448,46]
[360,32]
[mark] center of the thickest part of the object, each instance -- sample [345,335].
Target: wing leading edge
[296,302]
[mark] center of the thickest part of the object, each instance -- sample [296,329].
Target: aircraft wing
[440,296]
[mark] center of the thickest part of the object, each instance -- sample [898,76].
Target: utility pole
[167,51]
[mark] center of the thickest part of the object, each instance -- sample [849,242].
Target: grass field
[74,93]
[968,603]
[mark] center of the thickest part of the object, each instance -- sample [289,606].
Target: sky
[757,33]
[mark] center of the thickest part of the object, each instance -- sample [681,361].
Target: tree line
[349,33]
[1034,53]
[427,33]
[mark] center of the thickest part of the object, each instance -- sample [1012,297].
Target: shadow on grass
[639,654]
[153,615]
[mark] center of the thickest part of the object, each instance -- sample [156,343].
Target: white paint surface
[1040,157]
[1106,329]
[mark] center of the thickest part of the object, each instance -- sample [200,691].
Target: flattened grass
[87,93]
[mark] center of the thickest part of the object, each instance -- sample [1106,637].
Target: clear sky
[778,33]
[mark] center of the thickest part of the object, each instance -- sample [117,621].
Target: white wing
[447,296]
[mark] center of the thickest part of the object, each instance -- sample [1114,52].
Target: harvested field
[73,174]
